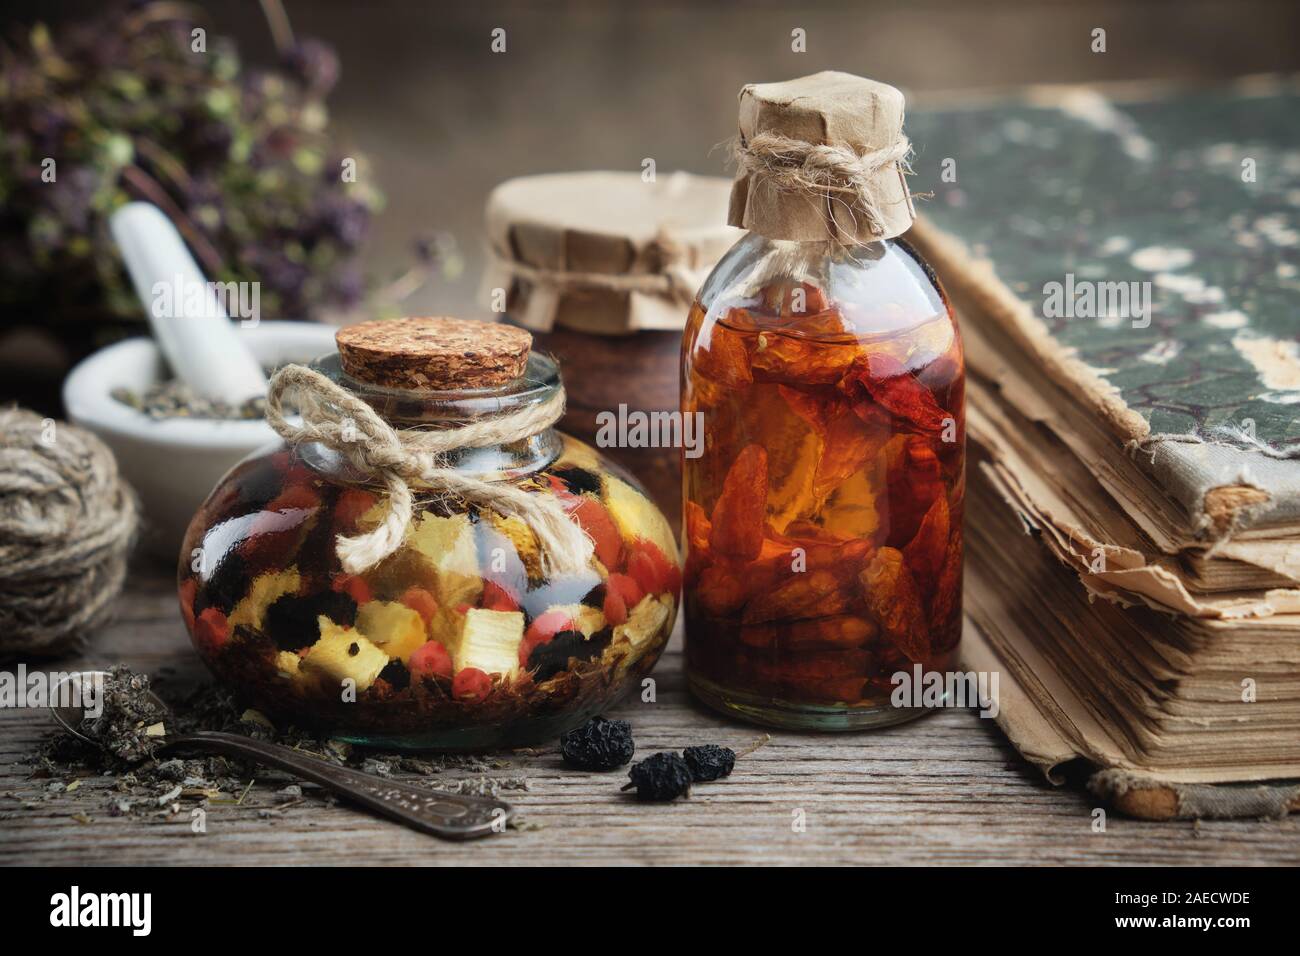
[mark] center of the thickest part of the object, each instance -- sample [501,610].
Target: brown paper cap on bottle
[606,253]
[436,353]
[828,108]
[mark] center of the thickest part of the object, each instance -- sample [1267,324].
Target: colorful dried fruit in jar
[463,635]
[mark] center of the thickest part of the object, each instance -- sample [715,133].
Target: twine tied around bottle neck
[343,422]
[836,174]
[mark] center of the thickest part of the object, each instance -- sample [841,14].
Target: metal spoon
[452,816]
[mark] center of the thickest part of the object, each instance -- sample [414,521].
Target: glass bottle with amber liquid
[822,524]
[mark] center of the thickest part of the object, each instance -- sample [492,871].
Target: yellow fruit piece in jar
[644,621]
[395,628]
[637,517]
[448,545]
[524,541]
[287,664]
[489,641]
[344,653]
[265,590]
[578,454]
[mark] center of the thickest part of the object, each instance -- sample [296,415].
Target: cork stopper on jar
[433,353]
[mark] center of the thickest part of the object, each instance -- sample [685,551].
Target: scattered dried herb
[127,723]
[175,399]
[144,784]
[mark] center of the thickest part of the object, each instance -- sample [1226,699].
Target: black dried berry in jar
[551,658]
[293,621]
[579,480]
[599,744]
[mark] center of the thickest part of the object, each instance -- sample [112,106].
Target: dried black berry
[291,620]
[661,776]
[338,606]
[599,744]
[595,597]
[228,583]
[398,677]
[709,762]
[548,659]
[579,479]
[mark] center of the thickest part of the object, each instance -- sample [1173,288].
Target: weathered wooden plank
[946,789]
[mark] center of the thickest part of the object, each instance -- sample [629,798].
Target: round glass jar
[457,640]
[823,523]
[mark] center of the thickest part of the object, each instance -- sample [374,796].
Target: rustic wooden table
[945,789]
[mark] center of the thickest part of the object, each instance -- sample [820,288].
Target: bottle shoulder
[869,292]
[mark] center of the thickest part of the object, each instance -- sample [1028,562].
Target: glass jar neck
[429,410]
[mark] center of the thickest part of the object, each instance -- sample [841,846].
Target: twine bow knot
[343,422]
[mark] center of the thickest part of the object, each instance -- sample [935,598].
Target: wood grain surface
[945,789]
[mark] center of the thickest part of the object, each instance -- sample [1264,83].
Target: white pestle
[189,319]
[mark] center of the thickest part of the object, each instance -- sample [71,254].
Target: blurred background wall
[588,85]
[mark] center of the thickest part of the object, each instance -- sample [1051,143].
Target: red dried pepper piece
[470,683]
[894,602]
[652,570]
[926,552]
[542,630]
[291,468]
[944,616]
[720,591]
[627,588]
[430,659]
[596,521]
[807,594]
[725,357]
[830,676]
[496,597]
[211,630]
[547,625]
[849,443]
[351,505]
[814,404]
[621,593]
[356,587]
[840,631]
[294,496]
[614,608]
[884,380]
[421,602]
[850,438]
[698,526]
[806,530]
[915,480]
[738,516]
[793,359]
[696,562]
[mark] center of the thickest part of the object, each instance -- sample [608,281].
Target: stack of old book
[1133,525]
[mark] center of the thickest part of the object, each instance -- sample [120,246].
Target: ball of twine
[67,521]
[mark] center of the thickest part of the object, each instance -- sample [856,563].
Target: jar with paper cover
[823,523]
